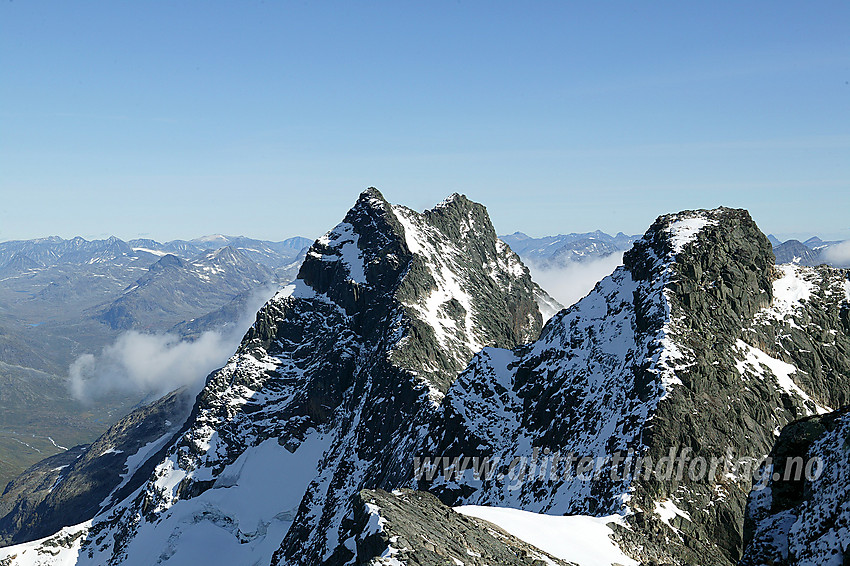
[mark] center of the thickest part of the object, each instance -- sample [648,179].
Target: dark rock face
[414,527]
[23,494]
[719,284]
[802,516]
[71,487]
[680,349]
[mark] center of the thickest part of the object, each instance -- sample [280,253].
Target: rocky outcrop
[801,514]
[414,527]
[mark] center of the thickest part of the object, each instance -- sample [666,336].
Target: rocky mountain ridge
[333,385]
[416,334]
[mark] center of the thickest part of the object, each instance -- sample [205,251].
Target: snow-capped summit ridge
[683,228]
[449,199]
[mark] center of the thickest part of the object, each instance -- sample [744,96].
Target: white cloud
[144,363]
[571,282]
[837,254]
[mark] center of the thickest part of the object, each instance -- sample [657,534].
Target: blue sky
[176,119]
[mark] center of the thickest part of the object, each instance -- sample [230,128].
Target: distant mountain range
[550,252]
[43,252]
[62,298]
[812,252]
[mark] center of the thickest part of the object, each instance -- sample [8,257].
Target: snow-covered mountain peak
[331,389]
[445,270]
[213,239]
[227,255]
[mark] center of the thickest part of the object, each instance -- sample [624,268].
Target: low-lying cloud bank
[837,254]
[148,363]
[571,282]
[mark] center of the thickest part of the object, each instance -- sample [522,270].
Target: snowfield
[578,538]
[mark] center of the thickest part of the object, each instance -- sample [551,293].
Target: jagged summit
[672,234]
[428,263]
[451,198]
[332,388]
[371,193]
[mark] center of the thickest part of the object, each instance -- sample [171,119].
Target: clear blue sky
[176,119]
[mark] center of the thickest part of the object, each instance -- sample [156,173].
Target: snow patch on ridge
[581,539]
[345,241]
[136,460]
[789,291]
[513,265]
[755,360]
[376,522]
[667,510]
[60,549]
[682,232]
[441,262]
[150,251]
